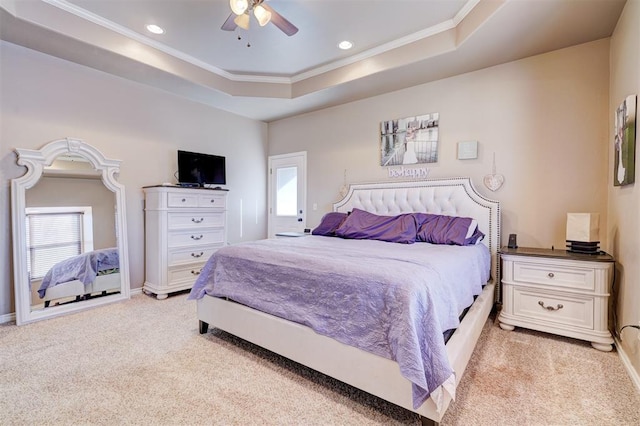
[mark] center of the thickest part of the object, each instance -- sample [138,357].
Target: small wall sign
[405,172]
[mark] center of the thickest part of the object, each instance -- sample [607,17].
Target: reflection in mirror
[71,240]
[68,253]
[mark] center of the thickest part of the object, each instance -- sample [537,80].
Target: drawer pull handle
[196,255]
[184,200]
[196,272]
[550,275]
[193,237]
[550,308]
[194,220]
[213,201]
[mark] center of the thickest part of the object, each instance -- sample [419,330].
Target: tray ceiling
[397,44]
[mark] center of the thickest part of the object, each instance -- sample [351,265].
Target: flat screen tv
[195,169]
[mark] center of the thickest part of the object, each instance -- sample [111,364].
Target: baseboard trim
[626,361]
[8,318]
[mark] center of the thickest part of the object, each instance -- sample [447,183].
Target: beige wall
[624,227]
[44,98]
[544,117]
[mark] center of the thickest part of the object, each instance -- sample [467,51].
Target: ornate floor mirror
[69,232]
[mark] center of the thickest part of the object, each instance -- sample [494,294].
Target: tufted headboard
[451,197]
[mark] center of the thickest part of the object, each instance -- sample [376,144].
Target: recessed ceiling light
[345,45]
[153,28]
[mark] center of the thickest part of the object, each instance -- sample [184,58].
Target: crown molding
[254,78]
[110,25]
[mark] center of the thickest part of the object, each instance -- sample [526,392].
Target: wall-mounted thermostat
[467,150]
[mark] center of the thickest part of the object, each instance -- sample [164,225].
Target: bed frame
[75,288]
[371,373]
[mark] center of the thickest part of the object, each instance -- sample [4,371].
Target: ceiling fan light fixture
[239,6]
[242,21]
[262,15]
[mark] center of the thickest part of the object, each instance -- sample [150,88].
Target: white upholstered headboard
[451,197]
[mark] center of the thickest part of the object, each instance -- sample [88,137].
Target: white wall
[624,210]
[545,117]
[44,98]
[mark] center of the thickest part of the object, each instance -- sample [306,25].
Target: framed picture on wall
[409,140]
[624,170]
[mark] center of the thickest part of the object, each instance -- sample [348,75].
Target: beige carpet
[143,362]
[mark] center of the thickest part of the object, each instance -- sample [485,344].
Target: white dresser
[183,228]
[558,292]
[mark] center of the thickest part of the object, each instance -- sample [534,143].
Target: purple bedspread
[393,300]
[83,267]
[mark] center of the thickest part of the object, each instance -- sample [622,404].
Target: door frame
[270,183]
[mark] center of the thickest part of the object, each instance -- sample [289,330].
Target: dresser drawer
[191,254]
[553,275]
[184,274]
[196,237]
[196,219]
[182,200]
[554,308]
[212,200]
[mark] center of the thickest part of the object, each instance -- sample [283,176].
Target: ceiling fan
[241,16]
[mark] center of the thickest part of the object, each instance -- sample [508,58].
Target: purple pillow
[329,223]
[475,238]
[451,230]
[362,225]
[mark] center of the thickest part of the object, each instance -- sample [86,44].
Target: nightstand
[558,292]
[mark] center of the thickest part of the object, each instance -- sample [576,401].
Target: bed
[89,274]
[368,366]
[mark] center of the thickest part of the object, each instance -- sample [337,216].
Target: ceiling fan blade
[285,26]
[229,25]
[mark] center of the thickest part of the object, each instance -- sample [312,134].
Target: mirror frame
[35,162]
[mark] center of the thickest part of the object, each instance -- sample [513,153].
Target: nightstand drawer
[554,275]
[559,309]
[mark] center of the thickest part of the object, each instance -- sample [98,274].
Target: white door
[287,193]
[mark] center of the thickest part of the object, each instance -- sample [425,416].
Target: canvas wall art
[410,140]
[624,170]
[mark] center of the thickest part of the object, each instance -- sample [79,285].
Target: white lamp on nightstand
[583,232]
